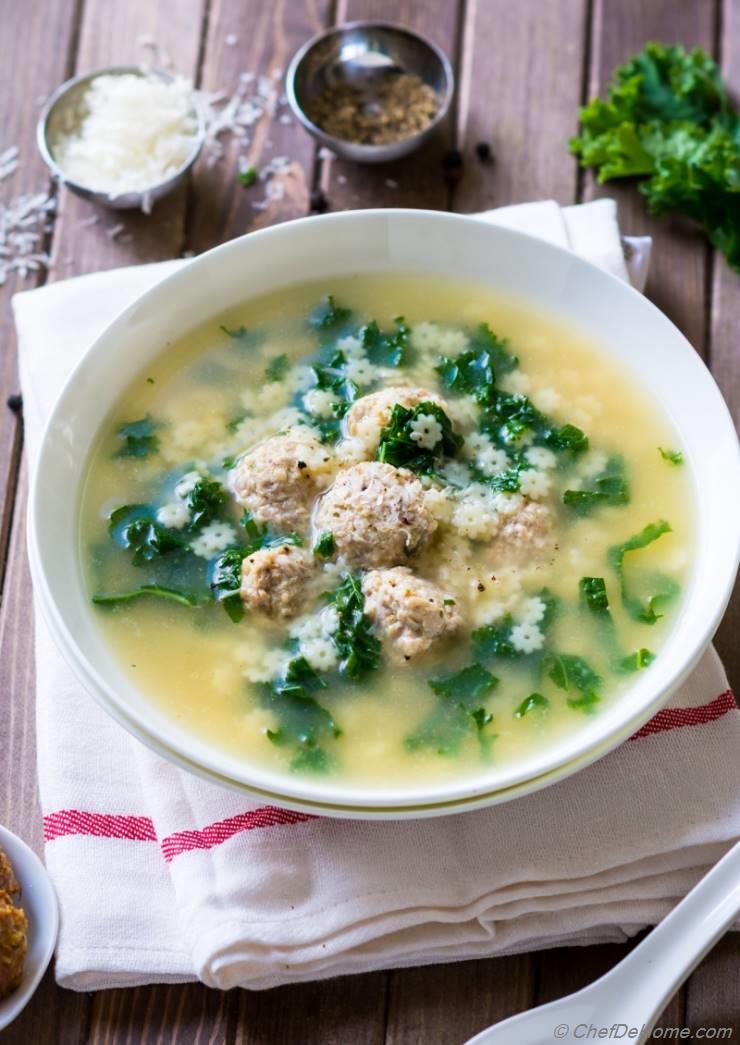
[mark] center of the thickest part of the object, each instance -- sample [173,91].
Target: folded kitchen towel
[164,877]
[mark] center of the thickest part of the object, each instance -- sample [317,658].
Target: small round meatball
[524,535]
[278,479]
[371,413]
[377,514]
[13,944]
[410,613]
[274,580]
[8,880]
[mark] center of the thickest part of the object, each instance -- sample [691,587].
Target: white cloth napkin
[163,877]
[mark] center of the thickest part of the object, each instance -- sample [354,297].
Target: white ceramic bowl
[39,901]
[415,241]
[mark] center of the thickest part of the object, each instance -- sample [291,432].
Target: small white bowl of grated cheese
[123,136]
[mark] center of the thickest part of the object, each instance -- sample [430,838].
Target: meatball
[13,944]
[409,612]
[524,535]
[369,414]
[278,479]
[8,881]
[377,514]
[274,580]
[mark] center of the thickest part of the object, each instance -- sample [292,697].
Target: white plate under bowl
[335,245]
[39,901]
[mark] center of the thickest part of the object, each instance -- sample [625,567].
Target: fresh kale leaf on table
[667,118]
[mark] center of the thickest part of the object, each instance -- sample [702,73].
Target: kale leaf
[387,349]
[182,597]
[594,596]
[672,456]
[643,607]
[226,580]
[135,527]
[668,119]
[277,368]
[458,711]
[304,723]
[637,661]
[574,674]
[609,488]
[358,648]
[138,438]
[328,316]
[534,702]
[398,447]
[204,501]
[324,545]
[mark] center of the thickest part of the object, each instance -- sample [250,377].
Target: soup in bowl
[398,538]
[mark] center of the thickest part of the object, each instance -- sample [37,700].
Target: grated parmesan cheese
[128,134]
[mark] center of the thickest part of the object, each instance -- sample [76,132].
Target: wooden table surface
[523,67]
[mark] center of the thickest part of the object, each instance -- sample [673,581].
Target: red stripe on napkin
[215,834]
[677,718]
[101,825]
[141,828]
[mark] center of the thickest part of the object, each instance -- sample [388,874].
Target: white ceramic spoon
[636,991]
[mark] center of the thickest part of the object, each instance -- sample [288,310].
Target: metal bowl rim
[366,23]
[115,70]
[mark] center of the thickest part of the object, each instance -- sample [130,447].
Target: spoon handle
[657,967]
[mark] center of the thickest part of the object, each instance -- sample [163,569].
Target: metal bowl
[56,116]
[364,54]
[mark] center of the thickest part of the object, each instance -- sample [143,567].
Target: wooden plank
[678,274]
[47,33]
[520,88]
[261,41]
[185,1013]
[349,1009]
[446,1004]
[725,322]
[712,996]
[419,180]
[566,970]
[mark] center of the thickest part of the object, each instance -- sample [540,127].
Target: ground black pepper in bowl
[401,106]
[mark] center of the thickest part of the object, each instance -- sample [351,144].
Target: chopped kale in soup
[389,529]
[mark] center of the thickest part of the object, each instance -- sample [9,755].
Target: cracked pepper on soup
[391,528]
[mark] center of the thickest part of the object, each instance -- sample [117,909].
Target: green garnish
[328,316]
[304,723]
[573,673]
[358,647]
[387,349]
[135,527]
[474,371]
[204,501]
[672,456]
[643,608]
[641,658]
[181,597]
[609,488]
[138,438]
[469,684]
[668,119]
[458,711]
[238,333]
[325,545]
[247,177]
[261,536]
[150,380]
[534,702]
[226,581]
[593,594]
[277,368]
[398,447]
[448,602]
[228,462]
[330,377]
